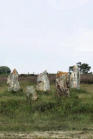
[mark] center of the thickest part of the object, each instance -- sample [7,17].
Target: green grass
[48,112]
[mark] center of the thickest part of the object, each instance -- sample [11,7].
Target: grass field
[48,113]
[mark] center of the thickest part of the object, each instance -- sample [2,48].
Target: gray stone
[43,83]
[31,93]
[13,82]
[75,78]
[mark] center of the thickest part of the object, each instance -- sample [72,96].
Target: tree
[79,64]
[84,68]
[4,70]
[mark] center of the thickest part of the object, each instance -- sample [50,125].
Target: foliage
[84,67]
[4,70]
[47,113]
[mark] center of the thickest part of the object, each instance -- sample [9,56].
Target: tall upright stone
[13,82]
[43,83]
[62,84]
[75,78]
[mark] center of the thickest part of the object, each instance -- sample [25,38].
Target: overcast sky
[36,35]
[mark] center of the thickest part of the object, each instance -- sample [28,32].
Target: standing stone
[31,93]
[13,82]
[75,78]
[43,83]
[62,84]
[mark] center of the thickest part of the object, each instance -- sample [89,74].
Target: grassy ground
[48,113]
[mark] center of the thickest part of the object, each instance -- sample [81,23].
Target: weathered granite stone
[62,84]
[13,82]
[43,83]
[31,93]
[75,78]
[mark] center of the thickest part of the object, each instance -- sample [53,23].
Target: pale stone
[75,78]
[31,93]
[13,82]
[62,84]
[43,83]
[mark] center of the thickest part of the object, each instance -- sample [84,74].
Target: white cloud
[69,4]
[36,36]
[83,1]
[82,41]
[52,3]
[85,41]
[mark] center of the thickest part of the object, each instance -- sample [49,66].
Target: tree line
[5,70]
[84,69]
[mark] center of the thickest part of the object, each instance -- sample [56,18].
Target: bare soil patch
[48,135]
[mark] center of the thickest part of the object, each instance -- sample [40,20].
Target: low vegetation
[48,113]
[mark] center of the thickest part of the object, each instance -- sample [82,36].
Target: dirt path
[48,135]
